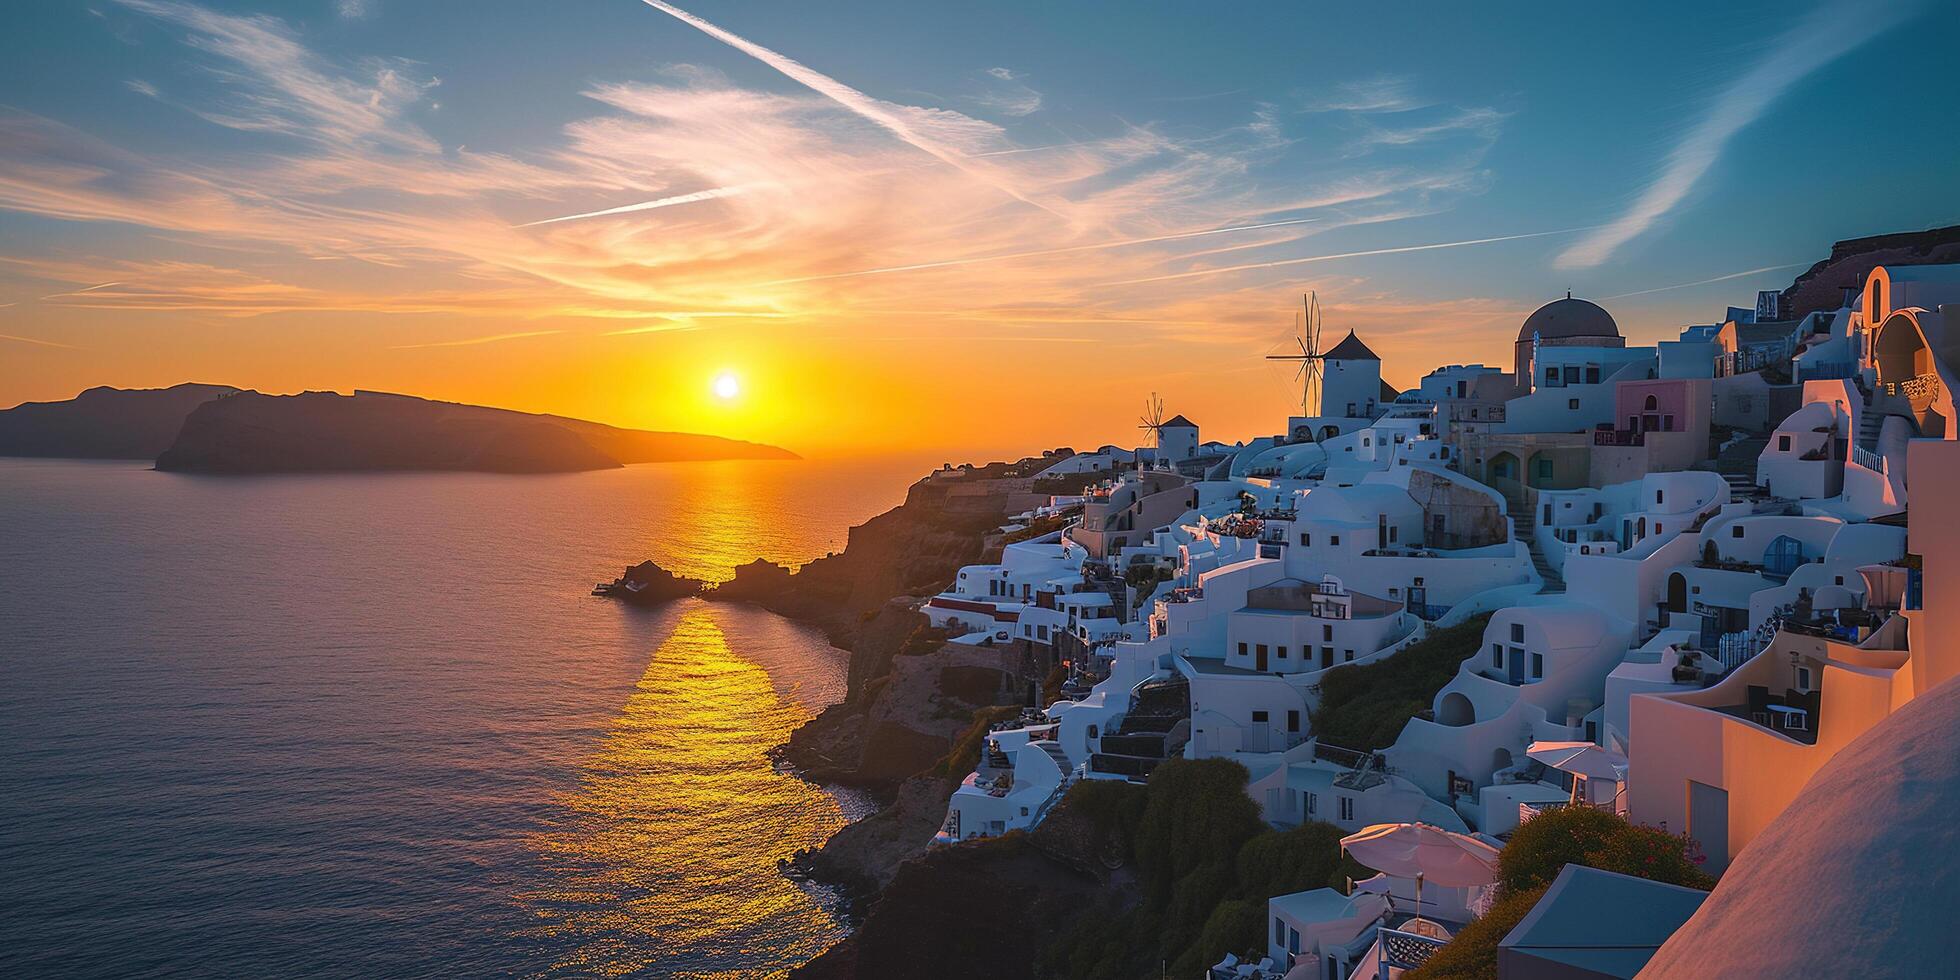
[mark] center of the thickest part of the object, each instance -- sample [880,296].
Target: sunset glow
[282,201]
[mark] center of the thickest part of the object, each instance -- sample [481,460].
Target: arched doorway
[1898,351]
[1500,760]
[1539,470]
[1455,710]
[1677,593]
[1782,556]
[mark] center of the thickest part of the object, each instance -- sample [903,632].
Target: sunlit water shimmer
[373,725]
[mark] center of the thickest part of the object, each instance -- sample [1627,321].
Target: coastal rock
[647,584]
[984,909]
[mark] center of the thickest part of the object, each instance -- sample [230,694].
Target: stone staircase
[1523,523]
[1737,465]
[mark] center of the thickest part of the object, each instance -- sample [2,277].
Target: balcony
[1619,437]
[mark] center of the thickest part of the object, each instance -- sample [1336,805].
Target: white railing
[1735,649]
[1868,459]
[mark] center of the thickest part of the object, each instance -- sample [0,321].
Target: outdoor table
[1794,718]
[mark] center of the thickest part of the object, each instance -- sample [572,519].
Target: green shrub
[1541,848]
[1365,706]
[1544,845]
[1472,953]
[1206,864]
[1281,862]
[1236,926]
[1198,814]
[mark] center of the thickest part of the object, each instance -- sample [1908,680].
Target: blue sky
[1714,138]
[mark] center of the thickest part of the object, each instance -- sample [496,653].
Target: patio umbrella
[1419,851]
[1582,759]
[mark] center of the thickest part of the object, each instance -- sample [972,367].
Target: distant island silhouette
[203,428]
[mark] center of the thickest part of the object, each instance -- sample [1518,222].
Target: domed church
[1565,322]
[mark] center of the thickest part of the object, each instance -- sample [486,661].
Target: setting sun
[727,387]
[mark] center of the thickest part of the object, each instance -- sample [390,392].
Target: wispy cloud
[1002,90]
[1381,93]
[350,206]
[35,341]
[1397,250]
[1744,274]
[473,341]
[947,137]
[1826,34]
[1037,253]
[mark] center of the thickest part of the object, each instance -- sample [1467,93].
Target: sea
[375,726]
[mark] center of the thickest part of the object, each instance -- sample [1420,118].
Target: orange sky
[883,276]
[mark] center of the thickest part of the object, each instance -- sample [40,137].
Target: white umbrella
[1582,759]
[1419,851]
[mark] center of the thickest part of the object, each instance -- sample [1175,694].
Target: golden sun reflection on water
[668,850]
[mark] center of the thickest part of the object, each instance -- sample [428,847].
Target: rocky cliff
[1821,287]
[103,423]
[248,432]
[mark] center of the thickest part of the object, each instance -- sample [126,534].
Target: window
[1313,803]
[1782,444]
[1395,533]
[1259,717]
[1803,679]
[1326,631]
[1551,375]
[1293,721]
[1349,654]
[1660,496]
[1242,650]
[1282,653]
[1572,403]
[1735,531]
[1497,655]
[1042,631]
[1347,807]
[1537,665]
[1334,539]
[1653,404]
[1544,469]
[1572,374]
[1517,635]
[1592,374]
[1306,539]
[1279,931]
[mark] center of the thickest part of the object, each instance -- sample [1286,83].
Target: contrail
[1827,34]
[857,102]
[1339,255]
[31,340]
[665,202]
[1120,243]
[478,340]
[89,289]
[1704,282]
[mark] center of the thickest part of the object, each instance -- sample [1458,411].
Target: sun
[726,386]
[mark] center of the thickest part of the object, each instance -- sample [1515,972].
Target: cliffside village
[1693,565]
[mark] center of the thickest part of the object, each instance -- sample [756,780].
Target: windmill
[1309,357]
[1153,421]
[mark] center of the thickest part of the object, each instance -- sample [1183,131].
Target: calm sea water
[374,726]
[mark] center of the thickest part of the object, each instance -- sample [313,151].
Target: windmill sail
[1153,421]
[1310,356]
